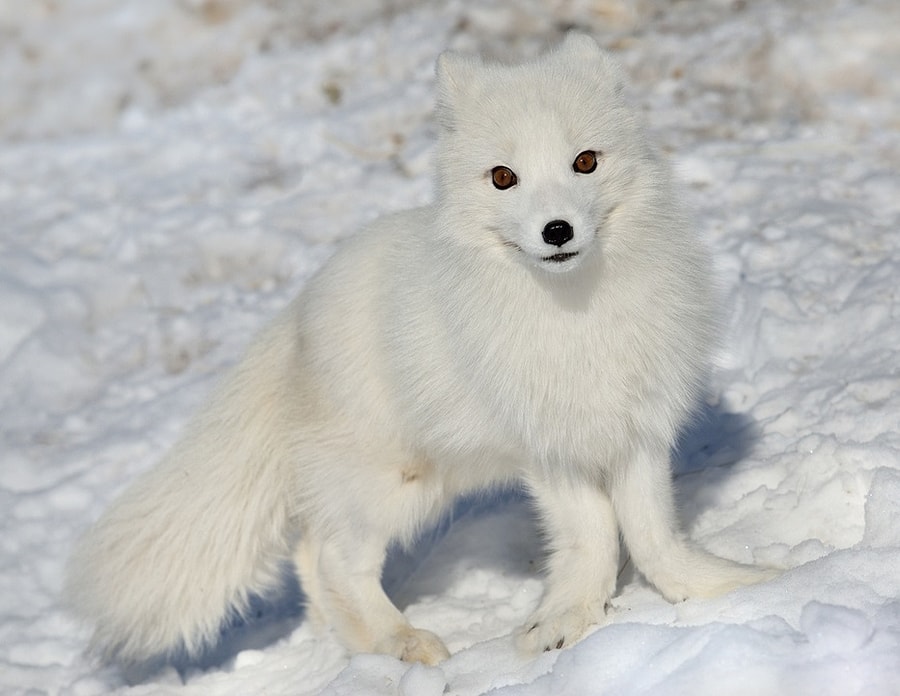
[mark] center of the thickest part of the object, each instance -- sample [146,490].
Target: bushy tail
[190,541]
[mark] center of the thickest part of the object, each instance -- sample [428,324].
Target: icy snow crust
[172,172]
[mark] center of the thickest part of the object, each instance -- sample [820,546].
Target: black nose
[558,232]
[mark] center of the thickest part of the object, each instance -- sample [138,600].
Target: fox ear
[455,73]
[584,48]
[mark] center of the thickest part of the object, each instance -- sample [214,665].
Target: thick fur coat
[547,322]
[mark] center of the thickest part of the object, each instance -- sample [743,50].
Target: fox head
[536,157]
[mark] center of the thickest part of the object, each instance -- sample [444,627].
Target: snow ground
[172,172]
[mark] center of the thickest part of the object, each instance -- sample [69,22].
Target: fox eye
[503,178]
[586,162]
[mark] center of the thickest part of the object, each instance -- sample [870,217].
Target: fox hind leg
[340,560]
[342,580]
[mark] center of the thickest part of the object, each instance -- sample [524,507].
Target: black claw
[560,643]
[533,626]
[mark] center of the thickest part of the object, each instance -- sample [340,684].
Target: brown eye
[586,162]
[503,177]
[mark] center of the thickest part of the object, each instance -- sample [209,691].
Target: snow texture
[171,173]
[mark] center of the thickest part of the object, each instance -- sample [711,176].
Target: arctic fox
[545,323]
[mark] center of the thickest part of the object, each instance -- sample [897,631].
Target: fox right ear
[455,72]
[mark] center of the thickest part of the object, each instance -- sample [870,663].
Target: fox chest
[560,389]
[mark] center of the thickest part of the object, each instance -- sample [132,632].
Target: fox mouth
[560,258]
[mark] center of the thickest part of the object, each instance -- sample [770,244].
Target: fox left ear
[582,47]
[455,72]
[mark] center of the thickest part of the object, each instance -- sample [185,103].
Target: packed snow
[172,172]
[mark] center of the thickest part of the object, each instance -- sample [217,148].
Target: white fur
[439,353]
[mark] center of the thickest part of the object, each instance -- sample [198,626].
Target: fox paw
[722,578]
[552,630]
[414,645]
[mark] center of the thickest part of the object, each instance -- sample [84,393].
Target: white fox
[546,323]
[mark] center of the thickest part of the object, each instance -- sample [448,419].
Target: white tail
[216,505]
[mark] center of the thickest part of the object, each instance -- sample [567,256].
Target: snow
[172,172]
